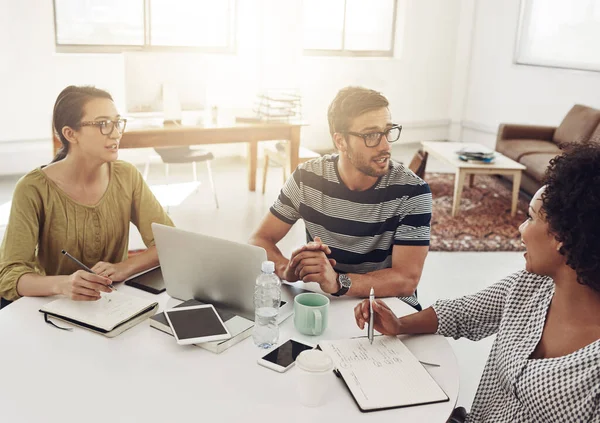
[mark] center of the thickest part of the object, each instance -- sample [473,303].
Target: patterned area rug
[483,222]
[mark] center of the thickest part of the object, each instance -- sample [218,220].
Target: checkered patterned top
[513,387]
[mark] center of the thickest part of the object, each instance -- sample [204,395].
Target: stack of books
[477,155]
[239,327]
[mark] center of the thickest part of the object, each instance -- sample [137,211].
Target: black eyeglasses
[372,139]
[107,126]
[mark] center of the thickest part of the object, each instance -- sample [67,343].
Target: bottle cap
[314,361]
[268,267]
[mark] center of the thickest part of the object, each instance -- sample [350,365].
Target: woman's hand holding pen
[384,319]
[84,286]
[116,272]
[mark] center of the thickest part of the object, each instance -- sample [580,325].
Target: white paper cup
[315,377]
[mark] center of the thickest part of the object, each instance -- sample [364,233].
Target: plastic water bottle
[267,296]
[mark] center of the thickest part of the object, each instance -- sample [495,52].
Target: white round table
[143,375]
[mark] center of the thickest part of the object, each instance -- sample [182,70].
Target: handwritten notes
[106,313]
[383,374]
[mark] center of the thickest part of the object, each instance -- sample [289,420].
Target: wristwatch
[345,284]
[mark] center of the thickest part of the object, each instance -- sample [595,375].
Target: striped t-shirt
[360,227]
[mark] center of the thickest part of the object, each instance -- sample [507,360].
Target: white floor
[446,275]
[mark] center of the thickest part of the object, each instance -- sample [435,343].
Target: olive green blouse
[44,220]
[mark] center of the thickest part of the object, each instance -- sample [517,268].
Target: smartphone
[284,356]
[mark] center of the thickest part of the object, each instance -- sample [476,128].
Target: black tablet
[150,281]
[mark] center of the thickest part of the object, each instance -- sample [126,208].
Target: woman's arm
[20,271]
[34,285]
[118,272]
[387,323]
[473,316]
[142,261]
[79,286]
[145,210]
[17,253]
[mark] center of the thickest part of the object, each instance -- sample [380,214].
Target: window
[118,25]
[559,33]
[349,27]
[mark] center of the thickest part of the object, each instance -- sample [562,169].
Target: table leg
[471,180]
[252,157]
[294,147]
[515,192]
[459,181]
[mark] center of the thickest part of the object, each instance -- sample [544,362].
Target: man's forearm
[273,254]
[386,283]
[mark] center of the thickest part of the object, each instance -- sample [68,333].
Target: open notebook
[110,315]
[384,374]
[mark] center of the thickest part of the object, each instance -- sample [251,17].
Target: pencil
[83,266]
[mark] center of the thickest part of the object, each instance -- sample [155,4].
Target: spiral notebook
[382,375]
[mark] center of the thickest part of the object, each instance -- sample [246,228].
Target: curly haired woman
[544,363]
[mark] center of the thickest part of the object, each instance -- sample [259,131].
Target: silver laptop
[213,270]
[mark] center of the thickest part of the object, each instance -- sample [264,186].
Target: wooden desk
[251,133]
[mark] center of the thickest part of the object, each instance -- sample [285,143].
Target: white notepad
[384,374]
[104,315]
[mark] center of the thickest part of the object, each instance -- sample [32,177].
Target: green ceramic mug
[310,313]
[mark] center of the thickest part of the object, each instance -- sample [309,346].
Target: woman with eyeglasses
[544,363]
[81,203]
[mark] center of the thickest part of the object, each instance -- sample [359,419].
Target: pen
[83,266]
[371,299]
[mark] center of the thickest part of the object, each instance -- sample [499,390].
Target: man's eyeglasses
[107,126]
[372,139]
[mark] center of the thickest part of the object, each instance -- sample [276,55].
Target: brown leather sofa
[534,146]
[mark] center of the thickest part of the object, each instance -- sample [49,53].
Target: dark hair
[351,102]
[571,203]
[69,110]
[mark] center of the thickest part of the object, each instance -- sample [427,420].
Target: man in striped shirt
[367,217]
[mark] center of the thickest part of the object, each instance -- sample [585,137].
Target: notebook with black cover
[109,316]
[382,375]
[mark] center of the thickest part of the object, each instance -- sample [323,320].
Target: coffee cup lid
[314,361]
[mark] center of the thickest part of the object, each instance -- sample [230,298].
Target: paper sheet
[384,374]
[106,313]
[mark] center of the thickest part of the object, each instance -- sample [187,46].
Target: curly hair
[571,203]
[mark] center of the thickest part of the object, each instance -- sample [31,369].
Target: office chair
[458,415]
[185,154]
[279,153]
[418,163]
